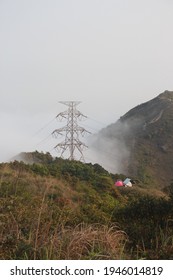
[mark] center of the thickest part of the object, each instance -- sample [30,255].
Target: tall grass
[88,242]
[38,222]
[43,217]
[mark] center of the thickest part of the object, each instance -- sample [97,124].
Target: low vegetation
[60,209]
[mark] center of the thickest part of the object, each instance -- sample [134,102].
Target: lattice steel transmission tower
[72,131]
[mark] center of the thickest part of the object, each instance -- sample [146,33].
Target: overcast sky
[109,54]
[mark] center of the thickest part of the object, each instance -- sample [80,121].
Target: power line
[42,141]
[78,145]
[42,128]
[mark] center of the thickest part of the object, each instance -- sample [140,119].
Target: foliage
[145,220]
[60,209]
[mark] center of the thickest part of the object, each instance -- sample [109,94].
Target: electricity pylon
[72,130]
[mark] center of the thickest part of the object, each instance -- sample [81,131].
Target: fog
[110,55]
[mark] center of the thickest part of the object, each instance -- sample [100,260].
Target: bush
[143,219]
[40,169]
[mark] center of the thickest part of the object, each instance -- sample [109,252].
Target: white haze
[108,147]
[109,153]
[110,55]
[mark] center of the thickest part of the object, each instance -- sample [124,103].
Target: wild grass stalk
[38,222]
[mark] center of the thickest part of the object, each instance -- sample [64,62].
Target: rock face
[142,141]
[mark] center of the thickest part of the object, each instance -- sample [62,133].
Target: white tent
[127,182]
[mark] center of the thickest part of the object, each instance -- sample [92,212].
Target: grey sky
[110,54]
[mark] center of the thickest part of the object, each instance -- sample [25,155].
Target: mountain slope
[61,209]
[141,141]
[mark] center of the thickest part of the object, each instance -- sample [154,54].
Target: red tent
[119,183]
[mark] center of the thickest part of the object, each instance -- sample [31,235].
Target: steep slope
[141,141]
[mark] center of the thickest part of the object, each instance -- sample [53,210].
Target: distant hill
[33,157]
[140,143]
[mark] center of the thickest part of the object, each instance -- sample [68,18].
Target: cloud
[109,149]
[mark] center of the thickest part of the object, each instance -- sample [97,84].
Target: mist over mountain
[140,142]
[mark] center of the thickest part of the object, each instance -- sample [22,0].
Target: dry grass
[32,226]
[89,242]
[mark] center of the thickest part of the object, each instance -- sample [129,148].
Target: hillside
[141,141]
[61,209]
